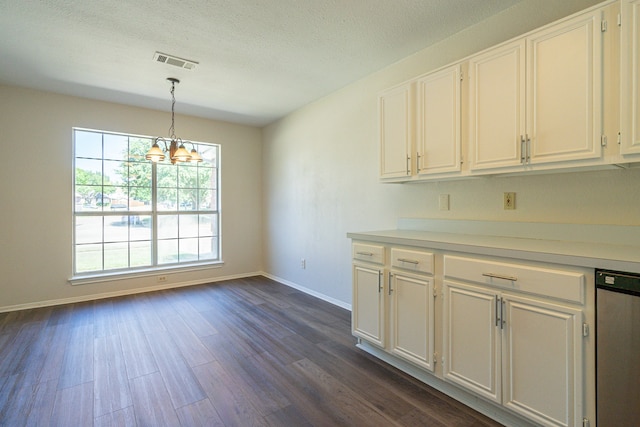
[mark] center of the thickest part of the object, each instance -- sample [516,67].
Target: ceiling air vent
[174,60]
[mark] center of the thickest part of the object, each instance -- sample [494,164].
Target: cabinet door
[497,107]
[368,313]
[564,98]
[472,339]
[396,131]
[630,77]
[438,122]
[412,318]
[542,361]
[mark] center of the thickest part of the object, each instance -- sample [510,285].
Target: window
[131,214]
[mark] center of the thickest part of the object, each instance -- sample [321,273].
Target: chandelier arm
[164,142]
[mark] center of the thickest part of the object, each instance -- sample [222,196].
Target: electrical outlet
[162,279]
[509,201]
[443,202]
[303,263]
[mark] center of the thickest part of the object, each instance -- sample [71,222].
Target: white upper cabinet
[438,122]
[564,96]
[538,100]
[395,118]
[420,127]
[630,77]
[497,107]
[531,104]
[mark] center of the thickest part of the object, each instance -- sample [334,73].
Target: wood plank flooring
[247,352]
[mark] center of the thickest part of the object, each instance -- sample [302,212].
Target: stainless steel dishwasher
[617,348]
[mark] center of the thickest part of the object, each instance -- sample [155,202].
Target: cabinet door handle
[410,261]
[500,276]
[379,281]
[498,310]
[408,165]
[418,162]
[390,276]
[365,253]
[503,310]
[523,150]
[528,159]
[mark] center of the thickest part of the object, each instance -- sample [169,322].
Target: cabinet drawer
[412,260]
[565,285]
[370,253]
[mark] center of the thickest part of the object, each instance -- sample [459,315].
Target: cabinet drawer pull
[365,253]
[500,276]
[410,261]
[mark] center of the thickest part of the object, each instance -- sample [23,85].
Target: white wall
[321,171]
[36,193]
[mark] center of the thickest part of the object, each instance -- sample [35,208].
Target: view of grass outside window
[132,214]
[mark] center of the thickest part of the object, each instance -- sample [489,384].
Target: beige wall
[321,171]
[36,193]
[291,191]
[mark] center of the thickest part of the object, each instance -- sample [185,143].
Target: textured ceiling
[258,59]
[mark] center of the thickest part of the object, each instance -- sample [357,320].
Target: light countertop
[592,246]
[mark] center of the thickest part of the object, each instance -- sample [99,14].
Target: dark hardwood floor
[247,352]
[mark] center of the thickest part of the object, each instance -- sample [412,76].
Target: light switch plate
[443,202]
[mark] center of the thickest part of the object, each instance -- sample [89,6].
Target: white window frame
[152,214]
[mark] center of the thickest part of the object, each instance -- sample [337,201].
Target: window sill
[159,271]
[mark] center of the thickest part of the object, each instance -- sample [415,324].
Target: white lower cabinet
[513,332]
[393,304]
[368,314]
[542,360]
[412,318]
[522,351]
[369,304]
[472,342]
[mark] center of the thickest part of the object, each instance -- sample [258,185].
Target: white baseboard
[311,292]
[72,300]
[48,303]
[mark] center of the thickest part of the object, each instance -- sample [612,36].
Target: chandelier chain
[172,129]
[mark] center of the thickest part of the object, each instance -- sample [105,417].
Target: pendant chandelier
[175,147]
